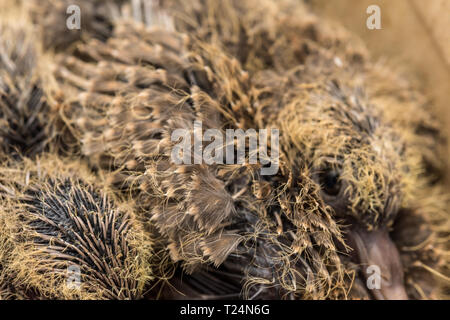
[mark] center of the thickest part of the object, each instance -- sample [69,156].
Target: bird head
[368,169]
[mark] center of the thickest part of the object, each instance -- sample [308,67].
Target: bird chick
[355,185]
[63,237]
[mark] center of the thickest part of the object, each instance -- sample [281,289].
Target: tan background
[415,35]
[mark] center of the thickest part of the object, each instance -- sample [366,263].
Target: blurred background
[414,34]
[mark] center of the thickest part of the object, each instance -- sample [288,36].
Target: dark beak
[380,262]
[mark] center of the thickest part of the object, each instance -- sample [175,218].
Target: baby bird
[356,188]
[63,237]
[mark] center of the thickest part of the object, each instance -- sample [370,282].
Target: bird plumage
[22,101]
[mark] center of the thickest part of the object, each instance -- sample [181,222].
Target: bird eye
[330,183]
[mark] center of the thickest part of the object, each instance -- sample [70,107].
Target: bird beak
[380,261]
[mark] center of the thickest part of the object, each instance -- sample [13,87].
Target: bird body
[65,238]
